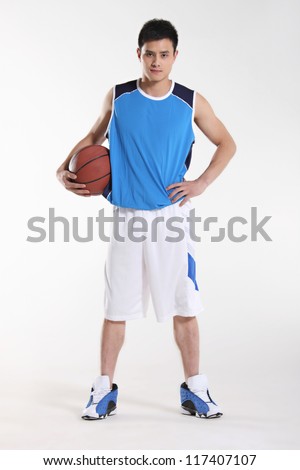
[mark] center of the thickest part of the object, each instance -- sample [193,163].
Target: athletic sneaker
[103,399]
[196,400]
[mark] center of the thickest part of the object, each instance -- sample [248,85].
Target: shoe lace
[99,394]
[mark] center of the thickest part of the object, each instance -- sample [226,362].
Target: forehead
[161,45]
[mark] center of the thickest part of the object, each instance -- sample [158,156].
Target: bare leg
[186,334]
[113,334]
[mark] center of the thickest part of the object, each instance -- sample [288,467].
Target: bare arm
[95,136]
[216,132]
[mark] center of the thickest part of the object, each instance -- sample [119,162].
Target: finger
[178,197]
[81,194]
[81,191]
[173,185]
[173,193]
[75,185]
[184,201]
[66,180]
[68,174]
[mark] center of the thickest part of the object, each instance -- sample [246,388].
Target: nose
[155,62]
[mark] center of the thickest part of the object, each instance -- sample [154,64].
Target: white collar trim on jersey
[156,98]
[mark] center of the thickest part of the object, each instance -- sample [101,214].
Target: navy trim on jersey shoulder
[127,87]
[184,93]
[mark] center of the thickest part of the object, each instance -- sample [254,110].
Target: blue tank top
[150,141]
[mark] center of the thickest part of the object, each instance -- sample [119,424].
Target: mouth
[155,71]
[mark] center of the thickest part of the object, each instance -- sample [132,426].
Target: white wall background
[58,60]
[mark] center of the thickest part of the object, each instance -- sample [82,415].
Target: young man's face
[157,59]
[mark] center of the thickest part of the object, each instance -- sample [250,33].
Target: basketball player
[149,125]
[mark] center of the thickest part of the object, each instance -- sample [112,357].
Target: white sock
[102,381]
[197,383]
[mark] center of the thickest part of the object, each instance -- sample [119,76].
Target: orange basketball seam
[87,163]
[92,181]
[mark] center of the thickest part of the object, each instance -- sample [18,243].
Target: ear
[138,51]
[175,54]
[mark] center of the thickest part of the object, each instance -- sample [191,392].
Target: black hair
[156,29]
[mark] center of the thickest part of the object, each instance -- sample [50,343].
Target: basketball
[91,164]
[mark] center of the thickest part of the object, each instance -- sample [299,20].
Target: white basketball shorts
[151,252]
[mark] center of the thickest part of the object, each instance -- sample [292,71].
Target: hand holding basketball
[91,164]
[66,177]
[88,171]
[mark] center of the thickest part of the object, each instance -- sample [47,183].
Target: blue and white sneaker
[103,399]
[196,400]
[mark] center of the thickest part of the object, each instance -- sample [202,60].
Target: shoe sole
[92,418]
[188,411]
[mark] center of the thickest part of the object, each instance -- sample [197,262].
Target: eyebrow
[161,52]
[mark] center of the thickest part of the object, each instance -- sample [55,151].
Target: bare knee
[184,326]
[184,322]
[114,329]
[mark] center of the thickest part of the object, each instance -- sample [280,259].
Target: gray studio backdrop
[58,60]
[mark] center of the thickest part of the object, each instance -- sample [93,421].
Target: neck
[152,88]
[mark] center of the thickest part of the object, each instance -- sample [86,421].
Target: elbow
[234,147]
[231,145]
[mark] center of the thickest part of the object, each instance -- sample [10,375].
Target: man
[148,123]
